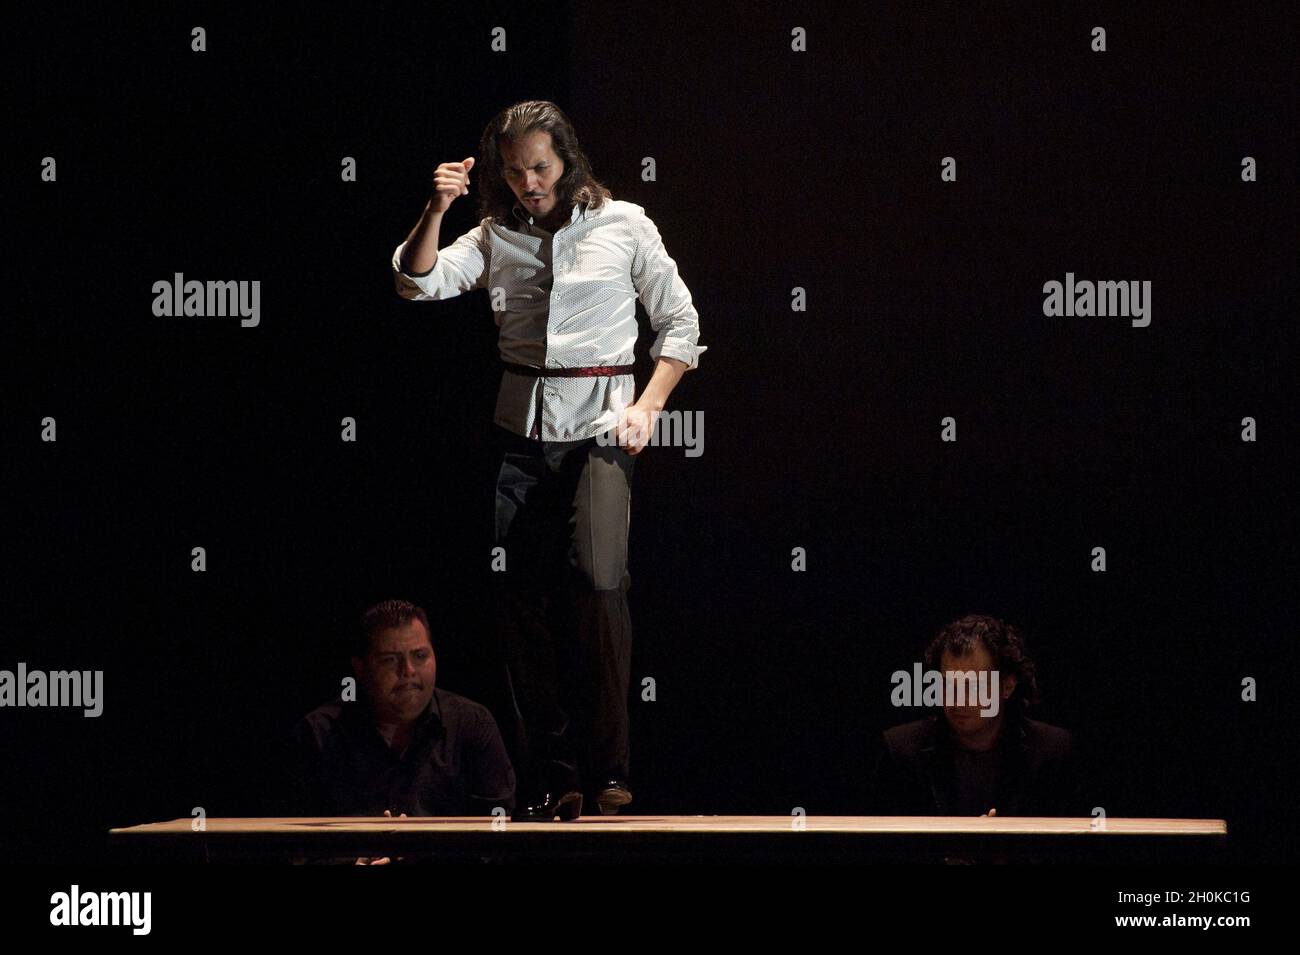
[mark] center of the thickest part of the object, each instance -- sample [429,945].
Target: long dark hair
[514,123]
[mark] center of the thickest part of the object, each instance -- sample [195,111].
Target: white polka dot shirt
[566,300]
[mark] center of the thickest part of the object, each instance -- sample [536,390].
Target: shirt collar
[430,717]
[1011,737]
[579,209]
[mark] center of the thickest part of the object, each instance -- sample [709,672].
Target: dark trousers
[562,511]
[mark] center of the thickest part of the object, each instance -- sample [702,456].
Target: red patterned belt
[594,371]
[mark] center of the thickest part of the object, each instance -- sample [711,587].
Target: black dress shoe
[568,806]
[613,796]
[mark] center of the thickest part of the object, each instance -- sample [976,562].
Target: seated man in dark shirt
[404,746]
[965,762]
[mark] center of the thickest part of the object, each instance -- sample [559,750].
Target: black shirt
[920,771]
[454,765]
[977,775]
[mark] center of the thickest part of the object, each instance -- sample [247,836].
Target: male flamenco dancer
[564,264]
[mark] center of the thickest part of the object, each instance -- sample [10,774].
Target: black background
[775,169]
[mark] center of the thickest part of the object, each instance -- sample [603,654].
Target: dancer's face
[532,169]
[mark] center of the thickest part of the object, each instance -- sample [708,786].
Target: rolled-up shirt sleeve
[665,296]
[460,267]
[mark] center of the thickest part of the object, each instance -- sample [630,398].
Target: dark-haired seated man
[967,761]
[404,746]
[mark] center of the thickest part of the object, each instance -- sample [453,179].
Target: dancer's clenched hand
[450,180]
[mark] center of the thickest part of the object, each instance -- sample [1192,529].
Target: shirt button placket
[550,390]
[545,390]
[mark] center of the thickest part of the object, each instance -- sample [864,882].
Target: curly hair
[387,615]
[1003,643]
[512,124]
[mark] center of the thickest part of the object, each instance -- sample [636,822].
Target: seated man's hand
[381,860]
